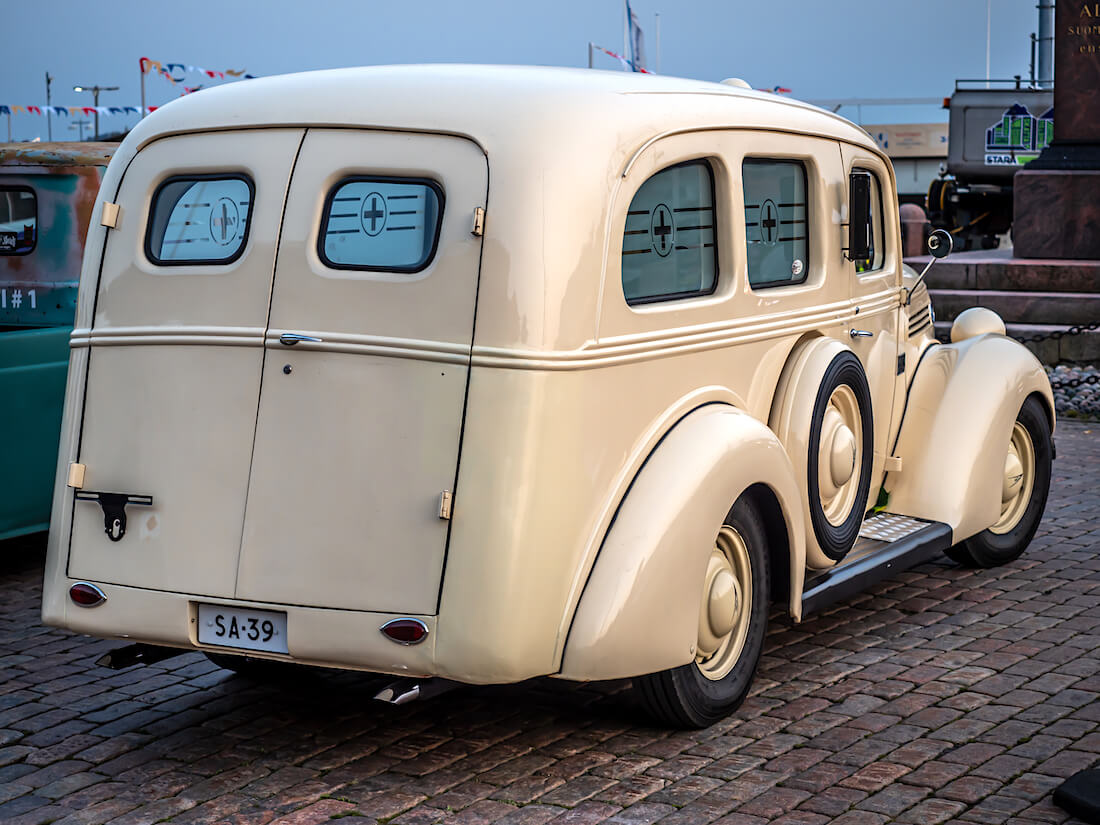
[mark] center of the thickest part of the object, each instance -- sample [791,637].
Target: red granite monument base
[1057,214]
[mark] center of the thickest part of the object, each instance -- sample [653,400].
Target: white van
[487,373]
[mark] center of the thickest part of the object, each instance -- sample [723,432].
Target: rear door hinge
[76,475]
[479,222]
[109,218]
[445,505]
[893,464]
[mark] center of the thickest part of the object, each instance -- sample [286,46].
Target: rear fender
[957,423]
[639,612]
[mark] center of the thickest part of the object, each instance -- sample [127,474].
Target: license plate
[242,627]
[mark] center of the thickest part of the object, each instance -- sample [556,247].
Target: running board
[887,544]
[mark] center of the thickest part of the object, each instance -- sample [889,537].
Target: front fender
[639,611]
[955,432]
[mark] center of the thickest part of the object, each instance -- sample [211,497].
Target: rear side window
[668,245]
[199,219]
[387,224]
[18,220]
[776,228]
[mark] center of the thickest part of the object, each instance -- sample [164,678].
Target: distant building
[916,150]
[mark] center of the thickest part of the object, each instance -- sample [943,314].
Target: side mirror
[940,244]
[859,216]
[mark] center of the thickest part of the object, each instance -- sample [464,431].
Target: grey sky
[839,49]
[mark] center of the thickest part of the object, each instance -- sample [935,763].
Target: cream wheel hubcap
[724,612]
[1018,480]
[840,455]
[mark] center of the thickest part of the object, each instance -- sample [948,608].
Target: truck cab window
[18,220]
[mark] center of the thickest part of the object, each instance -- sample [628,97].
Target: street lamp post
[95,90]
[79,124]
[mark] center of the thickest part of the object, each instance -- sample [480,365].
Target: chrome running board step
[403,691]
[887,544]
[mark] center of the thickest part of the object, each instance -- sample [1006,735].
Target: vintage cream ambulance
[488,373]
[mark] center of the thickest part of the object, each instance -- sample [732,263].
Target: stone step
[1081,348]
[1066,308]
[997,269]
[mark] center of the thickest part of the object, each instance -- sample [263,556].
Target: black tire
[683,697]
[989,549]
[836,540]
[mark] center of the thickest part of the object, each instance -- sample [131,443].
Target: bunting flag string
[74,110]
[621,59]
[169,71]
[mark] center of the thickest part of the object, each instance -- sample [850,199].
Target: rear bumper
[328,638]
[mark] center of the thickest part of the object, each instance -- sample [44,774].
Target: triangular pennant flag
[34,110]
[234,72]
[88,110]
[18,109]
[4,110]
[60,110]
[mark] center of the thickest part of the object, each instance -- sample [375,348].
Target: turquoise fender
[639,612]
[956,428]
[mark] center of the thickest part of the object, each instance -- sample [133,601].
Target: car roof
[502,108]
[71,153]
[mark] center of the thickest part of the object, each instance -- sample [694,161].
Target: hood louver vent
[920,311]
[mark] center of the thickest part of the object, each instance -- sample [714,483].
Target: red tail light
[405,631]
[87,595]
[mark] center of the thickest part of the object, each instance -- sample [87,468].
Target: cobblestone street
[942,694]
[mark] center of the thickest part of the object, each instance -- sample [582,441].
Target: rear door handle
[861,333]
[289,339]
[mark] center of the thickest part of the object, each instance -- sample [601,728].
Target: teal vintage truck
[47,191]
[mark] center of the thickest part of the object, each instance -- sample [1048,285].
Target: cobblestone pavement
[941,695]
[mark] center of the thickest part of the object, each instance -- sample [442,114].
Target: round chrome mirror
[940,243]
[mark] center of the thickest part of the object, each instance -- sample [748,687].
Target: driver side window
[875,236]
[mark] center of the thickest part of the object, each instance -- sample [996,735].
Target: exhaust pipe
[403,691]
[137,654]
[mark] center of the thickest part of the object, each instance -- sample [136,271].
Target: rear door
[176,355]
[368,350]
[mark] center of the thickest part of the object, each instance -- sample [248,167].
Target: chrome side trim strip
[608,352]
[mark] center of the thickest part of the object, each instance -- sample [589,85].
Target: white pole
[626,35]
[657,26]
[989,18]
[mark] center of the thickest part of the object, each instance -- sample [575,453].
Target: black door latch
[114,509]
